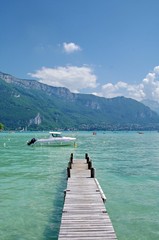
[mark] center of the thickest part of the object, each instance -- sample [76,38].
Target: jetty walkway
[84,214]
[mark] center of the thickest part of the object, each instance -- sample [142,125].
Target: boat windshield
[56,135]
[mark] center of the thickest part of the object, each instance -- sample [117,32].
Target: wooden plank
[84,214]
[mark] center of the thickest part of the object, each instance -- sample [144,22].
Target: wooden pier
[84,214]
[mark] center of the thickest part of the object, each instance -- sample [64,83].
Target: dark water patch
[52,229]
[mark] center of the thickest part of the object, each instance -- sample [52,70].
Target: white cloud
[156,69]
[72,77]
[123,89]
[71,47]
[147,89]
[151,85]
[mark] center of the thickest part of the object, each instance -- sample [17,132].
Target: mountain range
[29,104]
[153,105]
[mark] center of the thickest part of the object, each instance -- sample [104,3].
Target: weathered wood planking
[84,213]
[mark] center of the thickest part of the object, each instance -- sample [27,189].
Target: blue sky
[105,47]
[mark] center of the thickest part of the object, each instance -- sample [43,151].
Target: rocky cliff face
[29,84]
[35,121]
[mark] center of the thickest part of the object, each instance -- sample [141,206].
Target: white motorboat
[55,139]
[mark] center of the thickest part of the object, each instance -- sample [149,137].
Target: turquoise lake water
[32,181]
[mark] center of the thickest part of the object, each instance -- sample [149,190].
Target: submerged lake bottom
[33,180]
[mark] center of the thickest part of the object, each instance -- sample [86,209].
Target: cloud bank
[76,79]
[147,89]
[72,77]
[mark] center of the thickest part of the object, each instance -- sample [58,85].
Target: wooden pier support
[84,213]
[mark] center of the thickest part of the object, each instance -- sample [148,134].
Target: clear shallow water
[32,181]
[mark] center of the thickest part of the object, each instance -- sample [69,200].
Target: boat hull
[55,142]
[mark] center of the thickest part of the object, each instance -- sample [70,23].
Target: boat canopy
[56,134]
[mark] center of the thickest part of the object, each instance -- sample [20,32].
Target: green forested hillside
[35,106]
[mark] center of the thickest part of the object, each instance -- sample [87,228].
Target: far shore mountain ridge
[31,105]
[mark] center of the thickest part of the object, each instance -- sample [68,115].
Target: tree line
[1,126]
